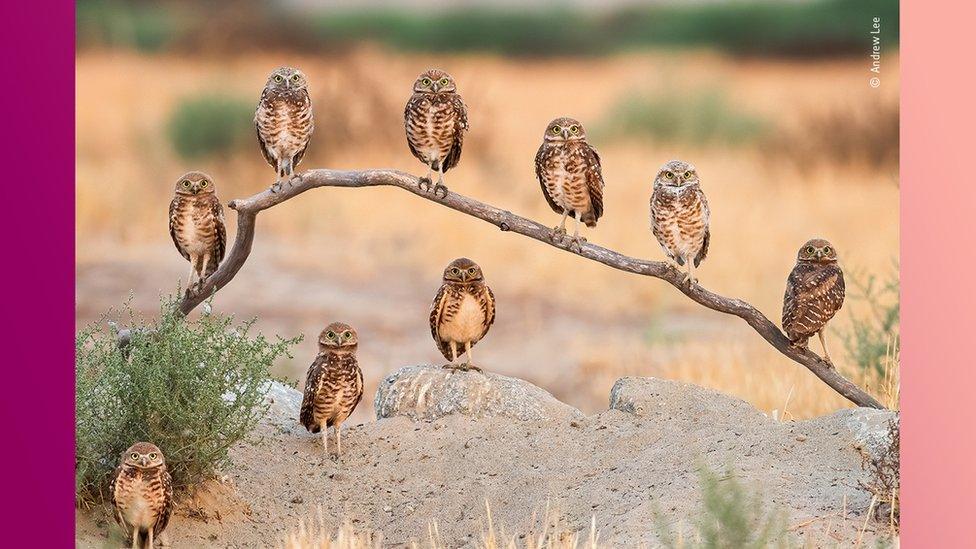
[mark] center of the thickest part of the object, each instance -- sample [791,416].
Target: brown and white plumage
[334,385]
[814,293]
[284,122]
[680,215]
[569,171]
[435,120]
[142,494]
[462,312]
[196,224]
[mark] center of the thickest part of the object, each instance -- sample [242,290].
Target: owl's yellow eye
[347,334]
[574,129]
[152,455]
[204,183]
[186,183]
[426,81]
[669,175]
[278,78]
[134,456]
[687,174]
[455,270]
[296,77]
[472,270]
[810,249]
[445,81]
[330,335]
[556,130]
[826,249]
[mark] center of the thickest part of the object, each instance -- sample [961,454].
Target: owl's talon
[557,235]
[577,243]
[440,188]
[425,184]
[276,187]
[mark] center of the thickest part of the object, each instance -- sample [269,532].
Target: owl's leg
[149,534]
[325,438]
[690,274]
[440,187]
[577,240]
[469,365]
[454,355]
[338,433]
[823,342]
[426,181]
[559,231]
[280,170]
[135,537]
[203,269]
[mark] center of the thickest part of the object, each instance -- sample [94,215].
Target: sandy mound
[487,437]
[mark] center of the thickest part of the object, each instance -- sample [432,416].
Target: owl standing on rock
[568,169]
[142,494]
[334,385]
[679,216]
[435,120]
[814,293]
[284,122]
[462,312]
[196,223]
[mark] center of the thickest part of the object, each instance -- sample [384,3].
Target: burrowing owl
[334,384]
[435,120]
[569,171]
[142,494]
[462,312]
[284,121]
[196,223]
[814,293]
[679,215]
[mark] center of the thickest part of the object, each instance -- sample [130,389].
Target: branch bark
[248,208]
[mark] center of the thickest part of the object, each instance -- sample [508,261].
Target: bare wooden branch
[248,208]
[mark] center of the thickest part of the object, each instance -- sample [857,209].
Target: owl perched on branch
[679,216]
[435,120]
[814,293]
[196,224]
[284,122]
[142,494]
[462,312]
[334,385]
[568,169]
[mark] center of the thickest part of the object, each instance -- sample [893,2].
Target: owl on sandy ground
[569,171]
[334,385]
[196,224]
[142,494]
[814,293]
[435,120]
[679,216]
[284,122]
[462,312]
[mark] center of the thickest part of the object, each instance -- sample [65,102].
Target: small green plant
[873,341]
[194,388]
[210,124]
[731,518]
[705,116]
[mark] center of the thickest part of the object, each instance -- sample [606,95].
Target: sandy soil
[619,467]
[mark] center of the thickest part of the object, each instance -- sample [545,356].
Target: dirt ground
[619,469]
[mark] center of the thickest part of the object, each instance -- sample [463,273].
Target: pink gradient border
[938,378]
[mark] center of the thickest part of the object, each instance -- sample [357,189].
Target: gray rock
[653,397]
[432,392]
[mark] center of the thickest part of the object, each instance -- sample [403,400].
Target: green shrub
[192,388]
[142,26]
[873,342]
[699,117]
[210,124]
[730,518]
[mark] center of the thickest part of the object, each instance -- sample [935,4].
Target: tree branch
[248,208]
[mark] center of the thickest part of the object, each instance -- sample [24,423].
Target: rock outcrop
[432,392]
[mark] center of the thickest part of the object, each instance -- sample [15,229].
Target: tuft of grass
[193,388]
[873,342]
[731,517]
[316,534]
[884,478]
[210,124]
[700,118]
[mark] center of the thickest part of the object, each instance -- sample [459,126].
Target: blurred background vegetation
[770,100]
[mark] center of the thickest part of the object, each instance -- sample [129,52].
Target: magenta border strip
[37,406]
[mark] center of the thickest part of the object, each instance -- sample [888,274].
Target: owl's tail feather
[589,219]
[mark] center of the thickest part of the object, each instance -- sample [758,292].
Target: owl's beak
[144,460]
[819,254]
[436,87]
[565,133]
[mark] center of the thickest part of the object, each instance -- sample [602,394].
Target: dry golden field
[373,257]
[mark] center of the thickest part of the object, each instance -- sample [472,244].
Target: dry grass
[762,209]
[548,531]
